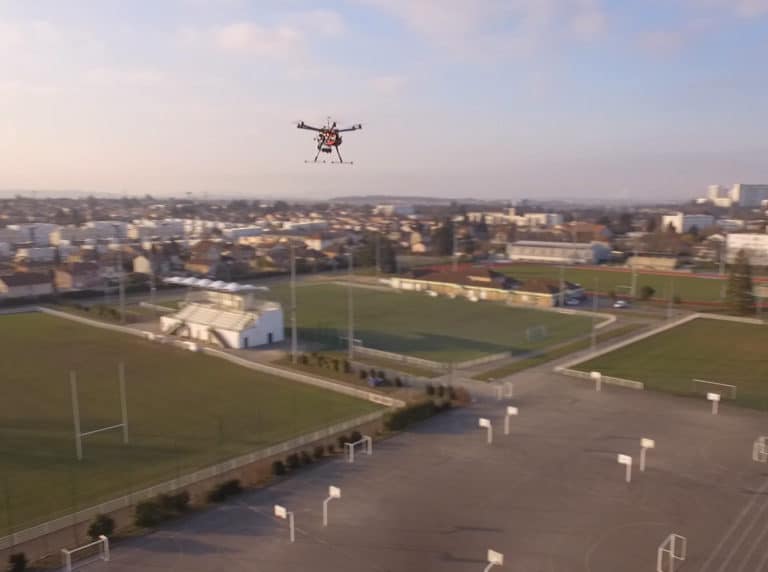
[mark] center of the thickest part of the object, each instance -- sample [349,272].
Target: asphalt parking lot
[550,496]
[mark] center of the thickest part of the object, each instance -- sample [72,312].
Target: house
[205,258]
[78,276]
[25,285]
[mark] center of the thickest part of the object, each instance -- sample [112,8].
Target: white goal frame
[66,555]
[536,333]
[76,412]
[714,386]
[673,548]
[760,450]
[350,448]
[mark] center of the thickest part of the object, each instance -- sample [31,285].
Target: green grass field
[186,411]
[690,288]
[438,329]
[724,352]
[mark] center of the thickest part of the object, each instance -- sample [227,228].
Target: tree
[101,525]
[738,294]
[442,239]
[647,292]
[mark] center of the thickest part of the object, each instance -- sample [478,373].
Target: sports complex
[546,473]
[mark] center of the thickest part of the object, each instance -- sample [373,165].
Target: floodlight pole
[294,333]
[76,415]
[562,285]
[350,311]
[378,253]
[455,246]
[123,400]
[594,313]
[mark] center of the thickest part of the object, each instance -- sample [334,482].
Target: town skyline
[548,100]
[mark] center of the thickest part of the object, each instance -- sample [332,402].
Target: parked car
[621,304]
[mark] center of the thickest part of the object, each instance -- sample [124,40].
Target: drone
[328,138]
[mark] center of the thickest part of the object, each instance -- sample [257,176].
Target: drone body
[328,138]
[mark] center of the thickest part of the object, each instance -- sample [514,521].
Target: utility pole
[378,254]
[121,273]
[350,312]
[294,333]
[671,297]
[455,246]
[633,293]
[722,269]
[595,298]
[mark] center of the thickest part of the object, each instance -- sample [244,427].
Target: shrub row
[154,511]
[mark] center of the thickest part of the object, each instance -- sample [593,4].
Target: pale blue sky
[480,98]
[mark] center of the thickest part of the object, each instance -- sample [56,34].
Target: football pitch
[724,352]
[185,411]
[689,287]
[438,329]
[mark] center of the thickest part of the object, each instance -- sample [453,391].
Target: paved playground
[550,496]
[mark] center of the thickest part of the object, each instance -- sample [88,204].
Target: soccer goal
[82,555]
[536,333]
[673,549]
[366,443]
[703,386]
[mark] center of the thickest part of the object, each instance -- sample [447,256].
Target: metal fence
[482,360]
[402,358]
[610,380]
[181,482]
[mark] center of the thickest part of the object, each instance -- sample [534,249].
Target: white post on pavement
[499,392]
[494,559]
[333,493]
[509,390]
[486,423]
[281,512]
[645,444]
[715,399]
[626,460]
[598,377]
[510,412]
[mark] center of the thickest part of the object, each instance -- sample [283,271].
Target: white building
[542,219]
[225,314]
[235,234]
[683,223]
[755,245]
[558,252]
[156,229]
[719,195]
[394,210]
[37,254]
[37,233]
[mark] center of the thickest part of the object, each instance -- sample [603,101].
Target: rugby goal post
[366,442]
[76,412]
[704,386]
[536,333]
[82,555]
[673,549]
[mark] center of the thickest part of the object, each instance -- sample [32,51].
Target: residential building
[78,276]
[683,223]
[394,210]
[750,196]
[25,285]
[755,245]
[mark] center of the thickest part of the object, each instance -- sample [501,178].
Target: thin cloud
[253,39]
[388,84]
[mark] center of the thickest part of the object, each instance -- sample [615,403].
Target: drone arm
[353,128]
[302,125]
